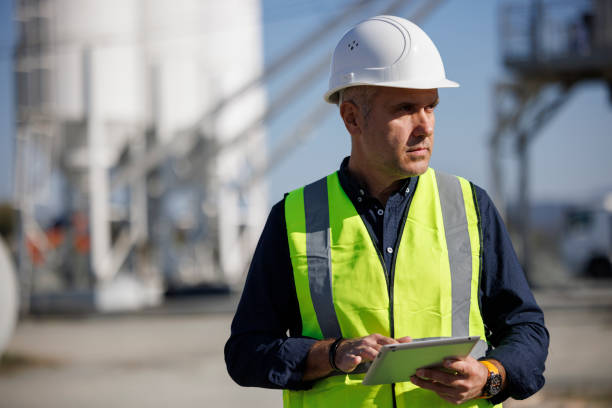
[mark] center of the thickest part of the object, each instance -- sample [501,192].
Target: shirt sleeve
[513,320]
[259,352]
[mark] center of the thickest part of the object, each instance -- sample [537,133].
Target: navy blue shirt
[266,348]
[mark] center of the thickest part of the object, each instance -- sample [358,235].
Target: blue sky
[6,99]
[569,157]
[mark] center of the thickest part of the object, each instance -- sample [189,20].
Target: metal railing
[544,30]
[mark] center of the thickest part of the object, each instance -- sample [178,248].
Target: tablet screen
[399,362]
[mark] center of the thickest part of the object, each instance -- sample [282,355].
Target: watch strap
[494,380]
[333,348]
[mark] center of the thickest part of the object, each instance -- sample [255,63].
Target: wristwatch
[494,380]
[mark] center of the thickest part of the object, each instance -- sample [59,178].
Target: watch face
[493,385]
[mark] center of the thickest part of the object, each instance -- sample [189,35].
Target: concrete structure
[101,85]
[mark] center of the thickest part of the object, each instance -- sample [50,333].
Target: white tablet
[399,362]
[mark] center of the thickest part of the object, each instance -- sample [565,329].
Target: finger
[380,339]
[468,366]
[447,393]
[434,386]
[355,354]
[375,346]
[458,366]
[450,399]
[406,339]
[348,362]
[448,379]
[367,353]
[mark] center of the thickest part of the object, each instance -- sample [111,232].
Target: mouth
[421,149]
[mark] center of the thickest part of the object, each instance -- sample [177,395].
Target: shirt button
[359,199]
[407,190]
[380,211]
[389,250]
[361,191]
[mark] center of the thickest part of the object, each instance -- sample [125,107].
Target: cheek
[381,136]
[403,132]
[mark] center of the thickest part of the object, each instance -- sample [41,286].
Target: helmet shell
[386,51]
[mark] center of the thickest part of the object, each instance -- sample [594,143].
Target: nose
[424,122]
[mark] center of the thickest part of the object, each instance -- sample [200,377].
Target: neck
[379,186]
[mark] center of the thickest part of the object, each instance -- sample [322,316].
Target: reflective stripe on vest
[342,283]
[316,209]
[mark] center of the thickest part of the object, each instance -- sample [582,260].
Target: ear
[351,115]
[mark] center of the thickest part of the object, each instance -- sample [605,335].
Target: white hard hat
[386,51]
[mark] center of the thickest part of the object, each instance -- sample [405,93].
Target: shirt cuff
[515,371]
[289,371]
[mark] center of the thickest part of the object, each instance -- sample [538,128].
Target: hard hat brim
[331,96]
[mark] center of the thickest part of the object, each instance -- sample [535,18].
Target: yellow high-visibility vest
[344,289]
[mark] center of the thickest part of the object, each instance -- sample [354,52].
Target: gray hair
[360,95]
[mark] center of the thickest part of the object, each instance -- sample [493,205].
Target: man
[384,251]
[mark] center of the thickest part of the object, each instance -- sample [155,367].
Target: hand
[468,382]
[352,352]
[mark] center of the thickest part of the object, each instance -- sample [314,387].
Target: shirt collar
[354,188]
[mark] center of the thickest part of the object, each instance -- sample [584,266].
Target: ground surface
[173,356]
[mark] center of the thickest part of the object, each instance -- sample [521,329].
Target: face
[396,137]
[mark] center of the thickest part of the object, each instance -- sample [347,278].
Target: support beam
[524,201]
[99,211]
[522,110]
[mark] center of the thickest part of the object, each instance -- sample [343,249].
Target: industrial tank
[141,87]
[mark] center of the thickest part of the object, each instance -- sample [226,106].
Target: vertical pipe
[98,175]
[159,225]
[138,193]
[524,210]
[535,25]
[25,268]
[495,153]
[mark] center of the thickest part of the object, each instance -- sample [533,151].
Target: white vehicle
[587,242]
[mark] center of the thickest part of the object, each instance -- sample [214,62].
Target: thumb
[349,362]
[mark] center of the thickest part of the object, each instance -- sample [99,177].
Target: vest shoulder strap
[318,249]
[458,245]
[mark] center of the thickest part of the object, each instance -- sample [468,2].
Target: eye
[430,108]
[408,107]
